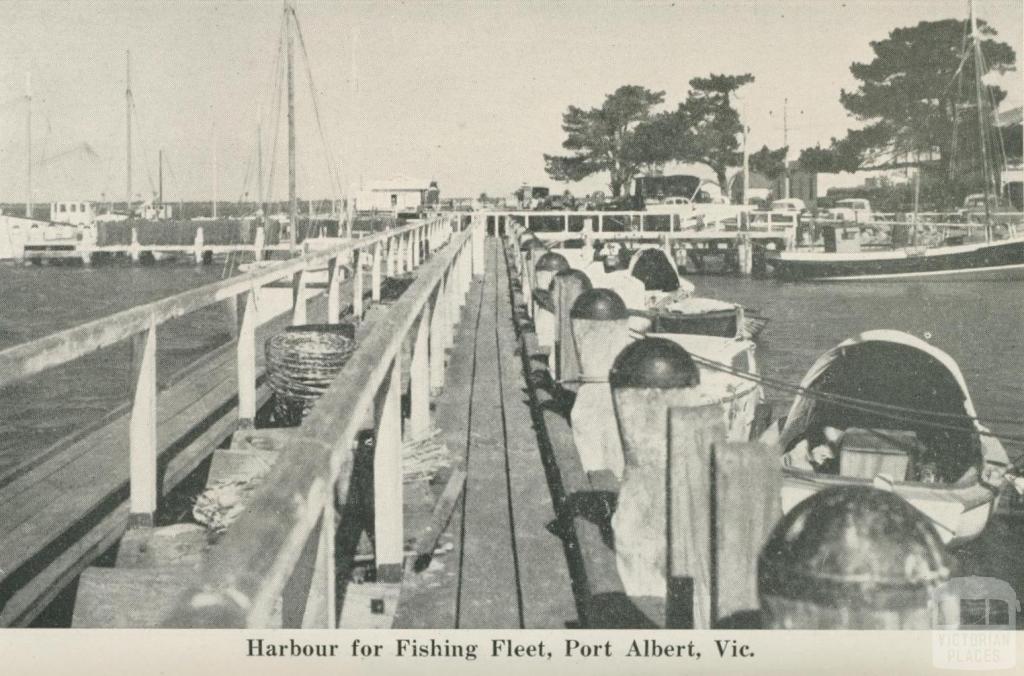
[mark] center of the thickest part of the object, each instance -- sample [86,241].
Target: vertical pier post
[299,298]
[438,342]
[333,290]
[479,234]
[419,380]
[246,358]
[259,243]
[387,479]
[375,273]
[197,245]
[689,536]
[600,330]
[648,377]
[357,282]
[566,287]
[747,489]
[135,251]
[142,431]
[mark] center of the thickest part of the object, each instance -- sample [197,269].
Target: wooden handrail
[247,571]
[26,359]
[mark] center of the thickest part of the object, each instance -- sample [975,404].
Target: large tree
[708,125]
[605,139]
[915,97]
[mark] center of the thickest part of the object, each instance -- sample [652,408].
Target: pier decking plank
[510,568]
[489,585]
[545,584]
[430,598]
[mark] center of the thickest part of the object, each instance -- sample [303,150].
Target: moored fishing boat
[998,256]
[992,260]
[661,301]
[887,409]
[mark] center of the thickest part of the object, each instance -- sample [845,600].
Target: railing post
[135,250]
[259,241]
[320,611]
[333,290]
[387,479]
[197,245]
[419,380]
[357,283]
[142,431]
[246,355]
[438,342]
[393,256]
[479,231]
[375,273]
[299,298]
[451,310]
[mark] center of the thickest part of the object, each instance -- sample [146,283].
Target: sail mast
[293,205]
[259,168]
[28,136]
[214,205]
[978,84]
[128,130]
[160,179]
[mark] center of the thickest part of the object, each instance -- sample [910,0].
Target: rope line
[890,411]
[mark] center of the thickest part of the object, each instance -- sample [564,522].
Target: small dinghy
[663,302]
[890,410]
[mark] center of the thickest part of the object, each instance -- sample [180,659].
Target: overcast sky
[468,93]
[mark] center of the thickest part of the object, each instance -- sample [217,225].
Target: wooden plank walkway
[506,568]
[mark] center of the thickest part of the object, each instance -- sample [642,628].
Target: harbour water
[38,301]
[980,324]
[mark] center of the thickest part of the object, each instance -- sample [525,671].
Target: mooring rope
[891,411]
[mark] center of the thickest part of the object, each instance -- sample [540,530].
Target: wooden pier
[512,532]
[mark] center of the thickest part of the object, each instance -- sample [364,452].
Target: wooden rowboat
[887,409]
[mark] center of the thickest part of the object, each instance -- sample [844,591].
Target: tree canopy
[710,125]
[626,136]
[605,138]
[914,97]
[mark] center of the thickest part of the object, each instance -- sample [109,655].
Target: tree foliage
[626,136]
[605,138]
[912,97]
[770,163]
[708,125]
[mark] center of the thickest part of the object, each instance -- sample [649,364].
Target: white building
[394,195]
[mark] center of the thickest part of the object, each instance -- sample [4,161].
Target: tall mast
[785,144]
[293,205]
[160,179]
[978,84]
[128,129]
[746,155]
[215,169]
[28,136]
[259,168]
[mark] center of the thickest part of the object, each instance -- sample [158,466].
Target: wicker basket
[302,362]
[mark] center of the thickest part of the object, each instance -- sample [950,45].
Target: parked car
[855,210]
[789,204]
[671,205]
[974,206]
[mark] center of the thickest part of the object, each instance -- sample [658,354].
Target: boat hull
[959,513]
[996,261]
